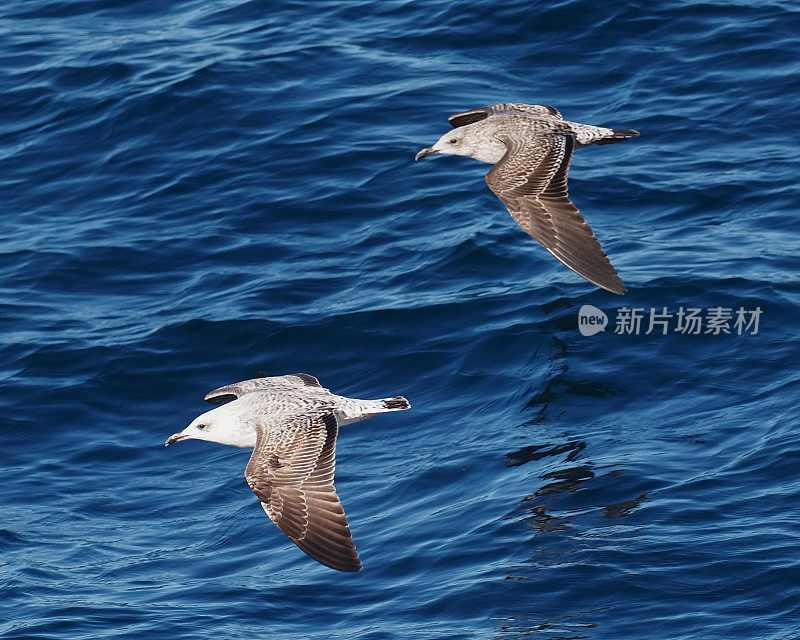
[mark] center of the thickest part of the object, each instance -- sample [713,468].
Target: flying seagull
[291,423]
[530,146]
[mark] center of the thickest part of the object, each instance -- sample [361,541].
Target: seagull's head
[223,425]
[470,141]
[457,142]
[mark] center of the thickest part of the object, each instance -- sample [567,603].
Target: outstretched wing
[291,471]
[233,391]
[531,180]
[474,115]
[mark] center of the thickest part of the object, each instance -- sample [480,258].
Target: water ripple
[196,192]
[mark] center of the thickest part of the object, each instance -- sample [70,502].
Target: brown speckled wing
[531,180]
[232,391]
[535,109]
[291,471]
[474,115]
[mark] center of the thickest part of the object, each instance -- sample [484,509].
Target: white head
[226,425]
[469,141]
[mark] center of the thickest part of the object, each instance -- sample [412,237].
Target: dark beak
[175,437]
[427,151]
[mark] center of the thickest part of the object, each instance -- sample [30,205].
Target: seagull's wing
[531,180]
[468,117]
[233,391]
[536,109]
[291,472]
[474,115]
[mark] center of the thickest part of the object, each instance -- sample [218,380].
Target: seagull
[291,423]
[530,146]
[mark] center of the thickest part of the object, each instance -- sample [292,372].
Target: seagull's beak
[175,437]
[427,151]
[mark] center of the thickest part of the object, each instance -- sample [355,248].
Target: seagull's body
[291,423]
[531,147]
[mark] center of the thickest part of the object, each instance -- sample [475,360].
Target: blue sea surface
[197,191]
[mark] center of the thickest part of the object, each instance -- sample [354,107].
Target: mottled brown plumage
[291,472]
[291,422]
[531,147]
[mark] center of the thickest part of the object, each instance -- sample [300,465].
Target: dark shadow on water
[574,509]
[536,505]
[561,386]
[622,509]
[559,628]
[537,452]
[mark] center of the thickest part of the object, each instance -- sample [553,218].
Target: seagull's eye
[453,140]
[201,426]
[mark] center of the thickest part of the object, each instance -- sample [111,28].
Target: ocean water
[197,191]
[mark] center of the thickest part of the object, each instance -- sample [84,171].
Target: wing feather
[232,391]
[531,180]
[291,471]
[481,113]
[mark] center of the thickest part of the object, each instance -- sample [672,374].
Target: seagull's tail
[398,403]
[616,135]
[352,410]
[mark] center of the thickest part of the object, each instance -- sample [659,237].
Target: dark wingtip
[616,287]
[353,567]
[215,397]
[339,558]
[467,117]
[351,564]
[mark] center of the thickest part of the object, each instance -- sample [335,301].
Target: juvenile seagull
[530,146]
[291,422]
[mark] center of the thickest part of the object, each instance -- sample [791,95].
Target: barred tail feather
[618,135]
[398,403]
